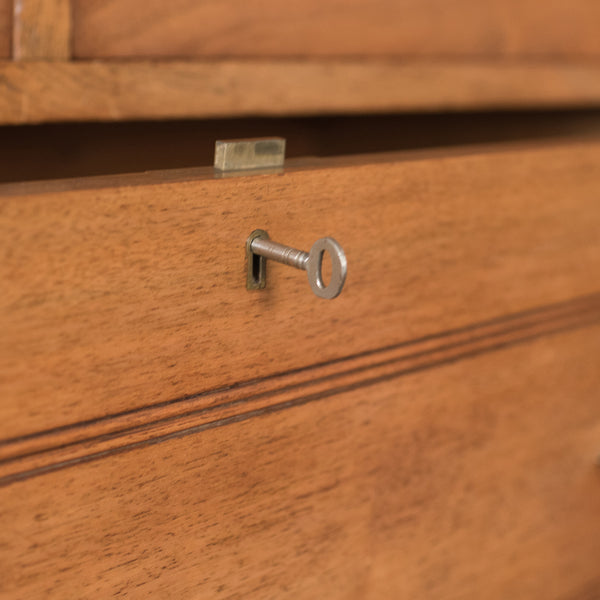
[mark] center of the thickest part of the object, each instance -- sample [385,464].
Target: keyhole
[257,265]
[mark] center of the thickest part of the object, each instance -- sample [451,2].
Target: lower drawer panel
[469,478]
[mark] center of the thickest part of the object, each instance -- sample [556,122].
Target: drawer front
[385,28]
[432,432]
[125,296]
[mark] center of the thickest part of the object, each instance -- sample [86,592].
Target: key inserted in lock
[259,248]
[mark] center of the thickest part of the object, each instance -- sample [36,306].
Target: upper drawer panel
[334,28]
[124,292]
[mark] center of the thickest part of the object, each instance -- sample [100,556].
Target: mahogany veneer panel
[125,292]
[6,14]
[42,30]
[340,28]
[42,91]
[469,479]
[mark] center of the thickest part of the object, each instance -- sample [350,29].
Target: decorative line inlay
[47,451]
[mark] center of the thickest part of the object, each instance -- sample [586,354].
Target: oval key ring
[314,268]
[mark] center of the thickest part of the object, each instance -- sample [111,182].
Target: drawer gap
[68,150]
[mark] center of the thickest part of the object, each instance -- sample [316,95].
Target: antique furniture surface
[117,59]
[433,432]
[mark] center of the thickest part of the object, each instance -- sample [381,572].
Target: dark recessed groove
[573,306]
[578,312]
[304,399]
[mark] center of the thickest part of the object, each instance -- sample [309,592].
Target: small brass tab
[242,155]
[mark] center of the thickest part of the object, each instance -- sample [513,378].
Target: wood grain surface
[55,449]
[125,293]
[41,91]
[472,479]
[6,17]
[42,30]
[340,28]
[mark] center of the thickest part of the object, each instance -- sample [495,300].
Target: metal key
[259,248]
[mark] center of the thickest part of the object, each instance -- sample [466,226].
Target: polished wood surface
[334,28]
[469,478]
[267,58]
[6,16]
[52,450]
[42,30]
[124,293]
[43,91]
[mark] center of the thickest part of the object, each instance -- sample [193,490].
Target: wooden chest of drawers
[431,433]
